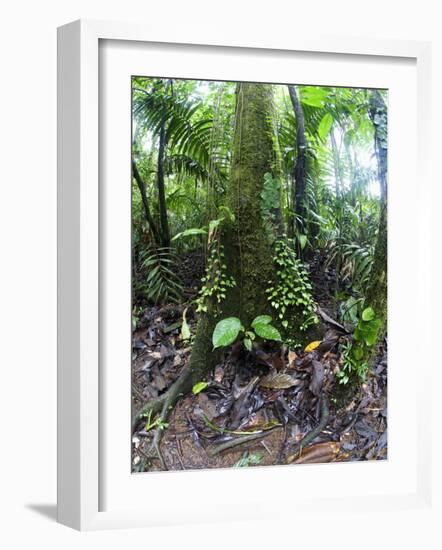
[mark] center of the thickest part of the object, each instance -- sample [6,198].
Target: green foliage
[199,387]
[357,262]
[161,283]
[315,96]
[367,330]
[356,354]
[270,196]
[190,233]
[261,320]
[227,331]
[136,313]
[349,310]
[267,332]
[185,330]
[150,423]
[249,459]
[325,126]
[156,106]
[216,280]
[270,204]
[291,293]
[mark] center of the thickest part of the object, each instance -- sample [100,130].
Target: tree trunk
[164,223]
[300,168]
[247,250]
[147,213]
[376,295]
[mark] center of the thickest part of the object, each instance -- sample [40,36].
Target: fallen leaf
[292,358]
[207,406]
[277,381]
[313,345]
[317,378]
[320,452]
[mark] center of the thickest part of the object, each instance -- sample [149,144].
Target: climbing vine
[291,294]
[216,280]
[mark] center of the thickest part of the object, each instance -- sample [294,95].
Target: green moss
[248,252]
[247,247]
[376,296]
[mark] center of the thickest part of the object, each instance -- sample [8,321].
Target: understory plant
[356,354]
[162,282]
[228,330]
[291,293]
[216,280]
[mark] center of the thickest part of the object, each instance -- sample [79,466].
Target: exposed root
[239,441]
[165,403]
[310,436]
[155,405]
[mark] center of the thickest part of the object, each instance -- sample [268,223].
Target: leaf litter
[257,406]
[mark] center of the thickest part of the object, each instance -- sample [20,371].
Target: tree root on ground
[239,441]
[310,436]
[163,404]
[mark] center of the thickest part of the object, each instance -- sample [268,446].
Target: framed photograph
[234,246]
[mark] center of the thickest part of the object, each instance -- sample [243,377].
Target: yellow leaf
[312,346]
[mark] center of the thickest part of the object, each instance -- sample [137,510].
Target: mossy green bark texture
[376,296]
[247,250]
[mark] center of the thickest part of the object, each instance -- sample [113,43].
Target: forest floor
[246,416]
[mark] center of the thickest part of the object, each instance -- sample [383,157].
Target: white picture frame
[81,473]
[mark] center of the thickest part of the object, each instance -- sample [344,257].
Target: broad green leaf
[185,330]
[368,332]
[261,320]
[325,126]
[226,210]
[248,343]
[198,387]
[302,241]
[268,332]
[213,224]
[190,232]
[313,95]
[226,332]
[368,314]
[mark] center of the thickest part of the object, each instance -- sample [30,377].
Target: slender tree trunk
[376,295]
[300,168]
[339,187]
[164,222]
[147,213]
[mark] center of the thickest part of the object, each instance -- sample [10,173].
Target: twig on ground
[238,441]
[313,434]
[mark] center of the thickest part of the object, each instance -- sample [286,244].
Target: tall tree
[300,166]
[376,295]
[147,213]
[164,222]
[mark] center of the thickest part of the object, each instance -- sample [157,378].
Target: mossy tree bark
[247,250]
[300,167]
[376,295]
